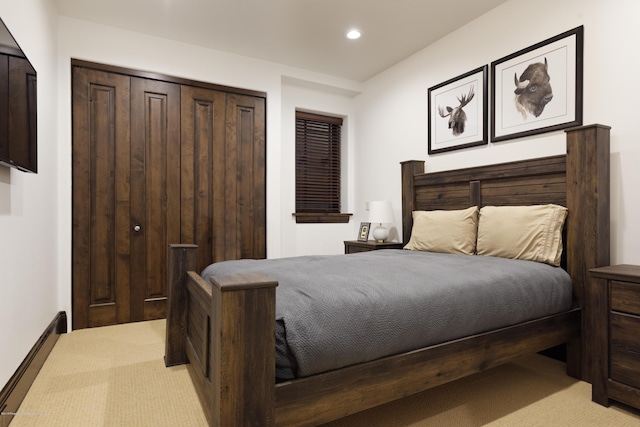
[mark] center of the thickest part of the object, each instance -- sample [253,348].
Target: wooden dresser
[616,334]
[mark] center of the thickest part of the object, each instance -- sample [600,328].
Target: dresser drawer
[616,333]
[353,246]
[624,368]
[625,349]
[356,249]
[625,297]
[625,332]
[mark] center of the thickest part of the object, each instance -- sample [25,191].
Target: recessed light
[353,34]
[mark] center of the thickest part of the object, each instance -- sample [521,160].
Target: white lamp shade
[380,212]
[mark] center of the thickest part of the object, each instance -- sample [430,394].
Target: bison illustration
[533,90]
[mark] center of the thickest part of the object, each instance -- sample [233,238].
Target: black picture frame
[457,112]
[363,231]
[523,81]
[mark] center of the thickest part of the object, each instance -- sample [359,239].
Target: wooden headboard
[578,180]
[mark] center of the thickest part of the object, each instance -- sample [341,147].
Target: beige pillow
[444,231]
[531,233]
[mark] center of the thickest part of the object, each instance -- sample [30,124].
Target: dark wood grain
[201,322]
[600,342]
[622,272]
[244,360]
[624,393]
[155,192]
[355,246]
[325,397]
[181,258]
[226,331]
[164,77]
[223,175]
[588,223]
[245,219]
[625,297]
[625,349]
[157,161]
[100,200]
[615,292]
[409,170]
[202,174]
[321,218]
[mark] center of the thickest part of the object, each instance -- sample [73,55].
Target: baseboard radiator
[16,389]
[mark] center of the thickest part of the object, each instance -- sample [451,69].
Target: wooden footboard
[225,331]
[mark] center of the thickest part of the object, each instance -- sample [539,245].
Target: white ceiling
[307,34]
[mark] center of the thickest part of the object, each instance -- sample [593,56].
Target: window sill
[322,218]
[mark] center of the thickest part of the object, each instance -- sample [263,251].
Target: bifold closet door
[158,162]
[245,179]
[202,173]
[101,200]
[126,195]
[223,175]
[155,192]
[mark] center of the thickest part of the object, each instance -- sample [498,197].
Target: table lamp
[380,212]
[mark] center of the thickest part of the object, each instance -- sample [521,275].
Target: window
[318,182]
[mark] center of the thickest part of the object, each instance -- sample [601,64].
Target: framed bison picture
[458,113]
[538,89]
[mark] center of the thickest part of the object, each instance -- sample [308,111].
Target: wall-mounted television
[18,106]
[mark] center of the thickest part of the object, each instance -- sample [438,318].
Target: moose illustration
[457,116]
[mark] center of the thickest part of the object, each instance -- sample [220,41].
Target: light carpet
[115,376]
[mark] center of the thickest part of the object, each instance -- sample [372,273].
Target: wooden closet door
[202,171]
[245,191]
[101,198]
[126,195]
[156,163]
[223,175]
[155,192]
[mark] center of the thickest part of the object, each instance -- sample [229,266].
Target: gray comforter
[340,310]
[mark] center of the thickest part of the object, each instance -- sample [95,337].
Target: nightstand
[355,246]
[616,311]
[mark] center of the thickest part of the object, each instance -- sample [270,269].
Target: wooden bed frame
[225,330]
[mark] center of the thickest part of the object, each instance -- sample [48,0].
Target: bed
[224,328]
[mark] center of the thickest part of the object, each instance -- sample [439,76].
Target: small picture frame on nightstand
[363,232]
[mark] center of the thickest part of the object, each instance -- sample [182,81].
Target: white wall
[391,113]
[28,202]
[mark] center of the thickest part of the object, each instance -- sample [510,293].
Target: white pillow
[451,231]
[531,233]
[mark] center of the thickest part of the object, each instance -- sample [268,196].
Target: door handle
[137,228]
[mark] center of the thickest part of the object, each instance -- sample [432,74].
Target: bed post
[181,258]
[410,168]
[587,231]
[242,351]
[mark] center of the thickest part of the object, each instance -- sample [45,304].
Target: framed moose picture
[538,89]
[457,112]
